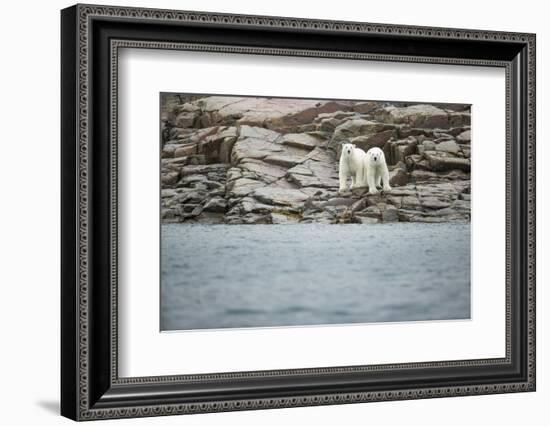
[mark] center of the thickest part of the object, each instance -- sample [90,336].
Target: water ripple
[219,276]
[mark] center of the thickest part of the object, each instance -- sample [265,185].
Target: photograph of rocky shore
[247,160]
[294,212]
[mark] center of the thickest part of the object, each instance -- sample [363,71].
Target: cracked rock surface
[241,160]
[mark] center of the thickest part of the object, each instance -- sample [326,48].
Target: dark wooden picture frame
[90,385]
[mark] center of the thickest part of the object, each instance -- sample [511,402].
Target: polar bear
[376,171]
[352,161]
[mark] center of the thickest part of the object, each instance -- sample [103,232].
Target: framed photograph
[263,212]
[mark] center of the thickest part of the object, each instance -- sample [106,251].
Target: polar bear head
[376,155]
[347,149]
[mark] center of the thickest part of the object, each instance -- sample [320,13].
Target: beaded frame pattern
[86,12]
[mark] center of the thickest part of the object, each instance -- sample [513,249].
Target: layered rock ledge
[269,160]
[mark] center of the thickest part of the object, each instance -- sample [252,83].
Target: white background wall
[29,211]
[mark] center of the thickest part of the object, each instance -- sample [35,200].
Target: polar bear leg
[342,176]
[371,182]
[385,178]
[358,178]
[361,179]
[378,178]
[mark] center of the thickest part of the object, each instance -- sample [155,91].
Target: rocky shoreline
[238,160]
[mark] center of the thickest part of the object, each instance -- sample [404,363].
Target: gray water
[232,276]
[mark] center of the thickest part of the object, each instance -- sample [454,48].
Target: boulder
[169,178]
[420,116]
[399,150]
[366,142]
[365,107]
[464,137]
[280,196]
[399,177]
[426,145]
[417,162]
[442,161]
[328,124]
[169,215]
[186,107]
[167,193]
[449,146]
[169,149]
[216,205]
[356,127]
[185,119]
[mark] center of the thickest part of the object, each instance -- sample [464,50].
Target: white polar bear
[376,171]
[352,162]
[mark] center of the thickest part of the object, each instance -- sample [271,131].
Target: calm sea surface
[221,276]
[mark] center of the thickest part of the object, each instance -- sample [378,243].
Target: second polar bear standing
[364,168]
[376,171]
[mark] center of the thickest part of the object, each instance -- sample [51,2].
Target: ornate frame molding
[88,408]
